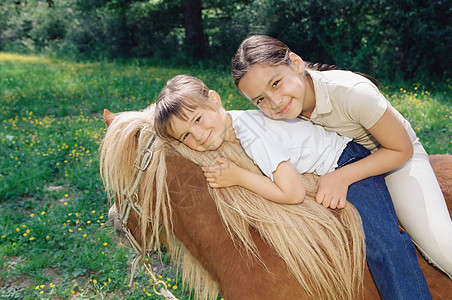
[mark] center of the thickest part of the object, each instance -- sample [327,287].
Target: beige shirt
[350,104]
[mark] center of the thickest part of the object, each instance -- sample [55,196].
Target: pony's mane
[322,248]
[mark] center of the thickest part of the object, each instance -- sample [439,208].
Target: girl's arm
[287,187]
[396,149]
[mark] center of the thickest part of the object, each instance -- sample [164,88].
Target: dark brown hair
[262,49]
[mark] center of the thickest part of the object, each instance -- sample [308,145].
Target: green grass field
[55,239]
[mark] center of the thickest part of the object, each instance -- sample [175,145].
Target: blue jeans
[391,255]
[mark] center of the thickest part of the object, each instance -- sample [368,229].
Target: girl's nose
[275,103]
[197,132]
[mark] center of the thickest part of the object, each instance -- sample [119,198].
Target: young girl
[186,110]
[279,83]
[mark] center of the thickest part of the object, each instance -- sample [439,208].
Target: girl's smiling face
[279,91]
[204,129]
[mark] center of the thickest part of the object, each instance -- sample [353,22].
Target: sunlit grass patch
[23,58]
[430,114]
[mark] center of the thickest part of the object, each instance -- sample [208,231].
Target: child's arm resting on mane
[287,187]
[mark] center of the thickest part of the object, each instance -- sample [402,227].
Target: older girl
[279,83]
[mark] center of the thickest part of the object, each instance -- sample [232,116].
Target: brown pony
[215,257]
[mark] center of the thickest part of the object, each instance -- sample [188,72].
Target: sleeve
[262,145]
[365,104]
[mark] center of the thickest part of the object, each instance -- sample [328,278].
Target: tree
[195,39]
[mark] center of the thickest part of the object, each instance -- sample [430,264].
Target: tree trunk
[195,39]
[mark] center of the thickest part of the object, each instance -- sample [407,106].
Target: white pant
[422,210]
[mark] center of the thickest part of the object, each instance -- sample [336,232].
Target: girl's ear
[215,97]
[297,62]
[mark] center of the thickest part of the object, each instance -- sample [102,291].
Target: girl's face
[279,91]
[203,130]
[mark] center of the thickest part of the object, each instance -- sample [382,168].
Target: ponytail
[326,67]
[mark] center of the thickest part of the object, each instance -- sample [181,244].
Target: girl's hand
[332,191]
[222,175]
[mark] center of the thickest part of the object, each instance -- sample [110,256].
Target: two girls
[187,111]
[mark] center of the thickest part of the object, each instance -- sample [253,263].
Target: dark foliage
[409,39]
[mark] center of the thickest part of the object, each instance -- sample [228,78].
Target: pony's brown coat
[198,226]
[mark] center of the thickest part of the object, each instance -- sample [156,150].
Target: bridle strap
[141,164]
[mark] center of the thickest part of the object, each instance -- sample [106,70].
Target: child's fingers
[221,160]
[342,203]
[334,203]
[323,199]
[213,185]
[210,169]
[212,172]
[326,202]
[337,202]
[319,197]
[210,179]
[210,175]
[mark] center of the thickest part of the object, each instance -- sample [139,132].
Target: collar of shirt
[322,98]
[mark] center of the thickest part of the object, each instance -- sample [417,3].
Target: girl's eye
[258,101]
[185,136]
[197,120]
[275,83]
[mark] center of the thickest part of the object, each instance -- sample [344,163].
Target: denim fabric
[391,255]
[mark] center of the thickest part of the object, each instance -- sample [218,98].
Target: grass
[55,241]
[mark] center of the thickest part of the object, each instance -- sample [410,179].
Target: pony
[231,241]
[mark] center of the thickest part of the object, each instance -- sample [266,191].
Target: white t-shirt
[308,147]
[350,104]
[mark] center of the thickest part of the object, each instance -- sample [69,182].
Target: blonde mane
[322,248]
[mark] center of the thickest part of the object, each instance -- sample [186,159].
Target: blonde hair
[323,249]
[182,93]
